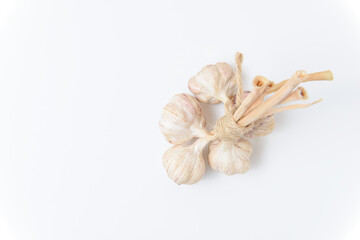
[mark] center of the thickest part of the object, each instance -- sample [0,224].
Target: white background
[82,85]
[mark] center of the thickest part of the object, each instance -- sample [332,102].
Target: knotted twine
[227,129]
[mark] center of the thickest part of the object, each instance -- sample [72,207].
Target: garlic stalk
[260,84]
[318,76]
[298,94]
[281,94]
[290,107]
[239,57]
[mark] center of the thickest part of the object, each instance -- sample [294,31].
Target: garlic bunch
[248,115]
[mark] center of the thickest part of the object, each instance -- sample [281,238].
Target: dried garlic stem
[259,100]
[275,99]
[325,75]
[277,86]
[317,76]
[298,94]
[260,84]
[239,95]
[289,107]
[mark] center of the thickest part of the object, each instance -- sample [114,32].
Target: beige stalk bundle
[248,115]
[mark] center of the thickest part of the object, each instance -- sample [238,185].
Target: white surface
[82,84]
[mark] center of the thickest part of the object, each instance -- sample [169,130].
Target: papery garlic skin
[184,164]
[230,157]
[214,83]
[182,119]
[261,127]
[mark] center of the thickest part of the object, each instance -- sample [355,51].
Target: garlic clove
[184,164]
[214,83]
[182,119]
[261,127]
[230,157]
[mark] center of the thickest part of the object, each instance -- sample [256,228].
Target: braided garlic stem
[239,57]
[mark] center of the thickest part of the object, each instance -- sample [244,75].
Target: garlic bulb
[184,164]
[230,157]
[214,83]
[261,127]
[182,119]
